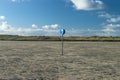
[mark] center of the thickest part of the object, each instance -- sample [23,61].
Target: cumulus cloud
[110,18]
[2,17]
[53,26]
[4,26]
[46,30]
[34,26]
[108,29]
[80,32]
[53,30]
[34,30]
[111,30]
[114,19]
[111,26]
[87,4]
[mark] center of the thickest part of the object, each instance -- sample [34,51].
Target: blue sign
[62,31]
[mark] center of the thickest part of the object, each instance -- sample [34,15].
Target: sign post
[62,32]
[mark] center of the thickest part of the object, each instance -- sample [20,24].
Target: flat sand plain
[42,60]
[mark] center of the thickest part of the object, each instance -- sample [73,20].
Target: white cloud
[34,26]
[105,15]
[111,29]
[111,26]
[46,27]
[34,30]
[4,26]
[53,26]
[110,18]
[88,4]
[77,32]
[47,30]
[2,17]
[108,28]
[52,30]
[114,19]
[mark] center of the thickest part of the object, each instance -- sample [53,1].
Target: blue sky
[47,17]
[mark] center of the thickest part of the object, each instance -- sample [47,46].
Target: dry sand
[40,60]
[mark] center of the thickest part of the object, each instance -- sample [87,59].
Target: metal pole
[62,44]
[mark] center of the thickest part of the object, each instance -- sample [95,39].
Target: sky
[47,17]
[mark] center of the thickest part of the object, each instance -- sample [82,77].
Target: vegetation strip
[57,38]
